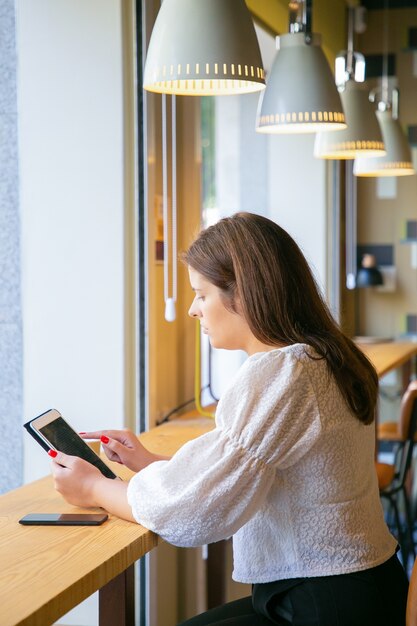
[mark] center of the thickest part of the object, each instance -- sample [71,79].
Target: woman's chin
[218,345]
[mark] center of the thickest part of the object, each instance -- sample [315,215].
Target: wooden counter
[47,570]
[389,356]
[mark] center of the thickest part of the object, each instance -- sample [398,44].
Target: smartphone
[64,519]
[51,431]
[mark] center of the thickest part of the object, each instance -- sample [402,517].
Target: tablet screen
[65,439]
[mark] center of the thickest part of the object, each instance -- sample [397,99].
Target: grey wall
[11,434]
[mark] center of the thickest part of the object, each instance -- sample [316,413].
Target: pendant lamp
[363,134]
[368,274]
[397,161]
[300,96]
[203,47]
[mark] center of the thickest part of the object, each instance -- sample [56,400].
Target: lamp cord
[174,195]
[174,410]
[169,225]
[308,15]
[196,389]
[165,193]
[384,84]
[349,52]
[351,216]
[300,16]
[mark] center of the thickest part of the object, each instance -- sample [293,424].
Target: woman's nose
[193,310]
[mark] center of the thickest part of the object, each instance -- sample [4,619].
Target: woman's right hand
[123,446]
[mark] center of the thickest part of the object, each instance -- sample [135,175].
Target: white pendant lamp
[363,134]
[301,96]
[397,161]
[203,47]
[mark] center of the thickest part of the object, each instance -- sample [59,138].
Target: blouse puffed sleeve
[266,421]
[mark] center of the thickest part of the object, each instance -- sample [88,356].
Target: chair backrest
[411,619]
[407,427]
[408,412]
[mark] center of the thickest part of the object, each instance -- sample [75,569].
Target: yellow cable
[197,374]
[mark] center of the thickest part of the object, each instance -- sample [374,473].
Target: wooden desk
[387,357]
[391,355]
[46,571]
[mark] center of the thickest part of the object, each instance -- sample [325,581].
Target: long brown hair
[251,258]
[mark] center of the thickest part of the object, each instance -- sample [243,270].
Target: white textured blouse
[288,471]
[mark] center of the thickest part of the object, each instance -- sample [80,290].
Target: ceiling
[391,4]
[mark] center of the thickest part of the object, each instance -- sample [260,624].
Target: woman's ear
[237,305]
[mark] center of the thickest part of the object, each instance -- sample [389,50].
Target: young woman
[289,469]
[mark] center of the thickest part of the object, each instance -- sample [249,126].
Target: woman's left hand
[76,479]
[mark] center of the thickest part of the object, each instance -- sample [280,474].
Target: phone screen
[64,519]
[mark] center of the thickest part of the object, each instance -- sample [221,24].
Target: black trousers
[374,597]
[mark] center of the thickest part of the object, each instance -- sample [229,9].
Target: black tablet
[52,432]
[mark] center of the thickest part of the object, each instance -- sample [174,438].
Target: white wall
[297,196]
[71,174]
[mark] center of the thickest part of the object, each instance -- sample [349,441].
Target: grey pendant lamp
[300,96]
[203,47]
[397,161]
[363,134]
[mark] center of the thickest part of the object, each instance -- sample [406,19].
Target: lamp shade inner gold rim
[388,172]
[178,71]
[349,149]
[308,117]
[301,127]
[371,168]
[205,86]
[352,154]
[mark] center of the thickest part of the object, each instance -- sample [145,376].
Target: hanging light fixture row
[209,47]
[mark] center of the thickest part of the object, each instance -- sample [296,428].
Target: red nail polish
[104,439]
[52,453]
